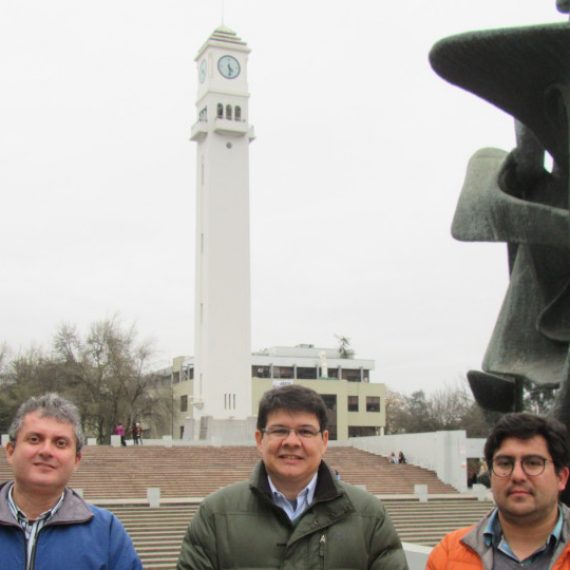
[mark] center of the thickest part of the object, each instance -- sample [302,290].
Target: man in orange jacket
[528,458]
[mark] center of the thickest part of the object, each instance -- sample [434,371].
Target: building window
[181,432]
[363,431]
[261,371]
[188,373]
[282,372]
[176,377]
[238,113]
[203,115]
[353,403]
[330,401]
[183,403]
[219,111]
[372,403]
[351,374]
[306,373]
[229,112]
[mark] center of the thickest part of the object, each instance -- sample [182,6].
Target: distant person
[137,433]
[529,528]
[44,525]
[337,475]
[483,477]
[393,458]
[292,513]
[401,457]
[120,431]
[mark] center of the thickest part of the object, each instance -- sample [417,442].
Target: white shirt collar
[294,509]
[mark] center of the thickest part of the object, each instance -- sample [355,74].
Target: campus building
[356,407]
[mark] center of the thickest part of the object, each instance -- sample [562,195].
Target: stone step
[157,533]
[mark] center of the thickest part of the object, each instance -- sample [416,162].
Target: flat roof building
[356,407]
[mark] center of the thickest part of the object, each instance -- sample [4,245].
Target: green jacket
[240,527]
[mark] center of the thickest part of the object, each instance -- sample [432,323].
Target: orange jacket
[454,554]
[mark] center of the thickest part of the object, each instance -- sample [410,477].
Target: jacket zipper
[33,553]
[322,549]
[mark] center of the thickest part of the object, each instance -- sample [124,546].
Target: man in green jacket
[292,514]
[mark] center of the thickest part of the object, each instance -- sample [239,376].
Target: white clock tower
[222,364]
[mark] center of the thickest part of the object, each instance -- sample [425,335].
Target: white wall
[444,452]
[475,447]
[416,555]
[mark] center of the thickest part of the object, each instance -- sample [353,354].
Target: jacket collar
[475,539]
[73,509]
[330,504]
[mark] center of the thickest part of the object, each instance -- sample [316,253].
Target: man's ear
[563,478]
[9,451]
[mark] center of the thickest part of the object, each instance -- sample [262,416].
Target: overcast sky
[358,162]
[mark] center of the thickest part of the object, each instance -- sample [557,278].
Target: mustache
[518,488]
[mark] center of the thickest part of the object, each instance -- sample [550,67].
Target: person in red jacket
[528,460]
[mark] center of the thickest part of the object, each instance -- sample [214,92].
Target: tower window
[238,113]
[229,112]
[219,111]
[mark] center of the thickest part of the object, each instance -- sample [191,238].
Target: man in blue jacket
[43,524]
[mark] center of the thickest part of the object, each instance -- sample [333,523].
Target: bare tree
[107,374]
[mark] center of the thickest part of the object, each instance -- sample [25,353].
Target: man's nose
[45,447]
[518,471]
[292,437]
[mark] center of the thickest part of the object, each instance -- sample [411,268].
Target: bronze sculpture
[511,197]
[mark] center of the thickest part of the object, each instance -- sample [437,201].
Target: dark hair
[295,398]
[50,405]
[526,426]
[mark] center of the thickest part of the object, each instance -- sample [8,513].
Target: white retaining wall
[444,452]
[416,555]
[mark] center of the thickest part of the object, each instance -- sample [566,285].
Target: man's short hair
[294,398]
[50,405]
[523,425]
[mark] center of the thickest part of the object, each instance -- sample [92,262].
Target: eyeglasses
[282,432]
[532,465]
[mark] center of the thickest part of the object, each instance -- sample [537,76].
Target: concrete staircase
[117,478]
[125,473]
[158,533]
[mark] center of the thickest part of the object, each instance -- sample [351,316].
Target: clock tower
[222,363]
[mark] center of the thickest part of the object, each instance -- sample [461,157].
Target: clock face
[203,69]
[228,66]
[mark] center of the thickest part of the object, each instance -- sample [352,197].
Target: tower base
[211,431]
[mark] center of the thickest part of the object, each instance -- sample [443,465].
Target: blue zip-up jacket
[78,537]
